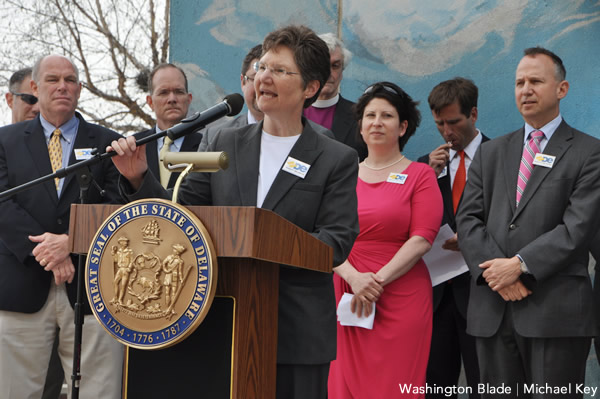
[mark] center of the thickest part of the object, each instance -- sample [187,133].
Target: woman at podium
[400,210]
[283,165]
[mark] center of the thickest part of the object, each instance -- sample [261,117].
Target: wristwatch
[522,265]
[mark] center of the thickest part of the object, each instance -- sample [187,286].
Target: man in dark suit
[24,106]
[331,110]
[170,100]
[453,104]
[528,214]
[34,256]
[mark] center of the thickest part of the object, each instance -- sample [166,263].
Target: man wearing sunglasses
[20,98]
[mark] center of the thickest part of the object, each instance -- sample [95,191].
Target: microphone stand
[85,179]
[60,173]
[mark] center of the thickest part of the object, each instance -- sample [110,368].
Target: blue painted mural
[414,43]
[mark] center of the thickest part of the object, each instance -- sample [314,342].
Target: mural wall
[414,43]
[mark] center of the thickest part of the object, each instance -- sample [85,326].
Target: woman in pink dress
[400,210]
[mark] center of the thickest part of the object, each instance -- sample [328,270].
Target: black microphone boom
[230,106]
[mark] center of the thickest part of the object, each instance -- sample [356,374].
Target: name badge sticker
[82,154]
[295,167]
[547,161]
[396,178]
[444,172]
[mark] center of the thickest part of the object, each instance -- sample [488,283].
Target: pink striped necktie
[531,148]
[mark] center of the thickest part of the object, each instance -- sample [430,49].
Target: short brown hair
[448,92]
[561,72]
[311,54]
[17,78]
[254,54]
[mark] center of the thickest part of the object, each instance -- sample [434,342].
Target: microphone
[202,161]
[230,106]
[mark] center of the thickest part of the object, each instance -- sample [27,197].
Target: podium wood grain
[250,243]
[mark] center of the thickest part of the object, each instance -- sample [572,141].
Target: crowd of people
[518,205]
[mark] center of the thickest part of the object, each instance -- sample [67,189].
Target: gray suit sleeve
[337,219]
[476,244]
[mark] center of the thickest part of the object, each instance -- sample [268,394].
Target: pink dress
[377,363]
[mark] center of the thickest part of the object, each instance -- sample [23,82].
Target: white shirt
[175,146]
[274,151]
[548,129]
[470,151]
[326,103]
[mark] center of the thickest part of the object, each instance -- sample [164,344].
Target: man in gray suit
[528,214]
[254,114]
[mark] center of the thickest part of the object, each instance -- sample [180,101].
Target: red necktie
[459,180]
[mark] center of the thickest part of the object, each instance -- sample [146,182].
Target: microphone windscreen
[235,102]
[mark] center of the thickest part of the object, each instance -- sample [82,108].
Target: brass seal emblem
[151,274]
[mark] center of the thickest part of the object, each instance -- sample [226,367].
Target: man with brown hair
[453,105]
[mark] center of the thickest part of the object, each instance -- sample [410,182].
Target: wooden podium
[250,244]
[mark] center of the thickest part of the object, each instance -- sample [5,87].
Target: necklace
[383,167]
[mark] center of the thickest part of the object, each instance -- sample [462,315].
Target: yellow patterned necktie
[55,152]
[165,175]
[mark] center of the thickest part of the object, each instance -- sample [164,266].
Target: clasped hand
[367,288]
[52,253]
[502,276]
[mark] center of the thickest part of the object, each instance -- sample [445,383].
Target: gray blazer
[551,230]
[323,203]
[209,132]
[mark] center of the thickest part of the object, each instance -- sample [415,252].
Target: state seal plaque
[151,274]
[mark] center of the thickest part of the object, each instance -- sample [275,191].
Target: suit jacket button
[512,226]
[59,221]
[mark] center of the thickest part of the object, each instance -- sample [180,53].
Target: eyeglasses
[248,78]
[28,98]
[377,86]
[278,72]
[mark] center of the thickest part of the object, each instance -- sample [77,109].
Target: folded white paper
[347,318]
[444,264]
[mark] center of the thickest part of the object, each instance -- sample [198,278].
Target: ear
[242,80]
[311,88]
[474,114]
[403,127]
[562,90]
[149,102]
[34,88]
[9,99]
